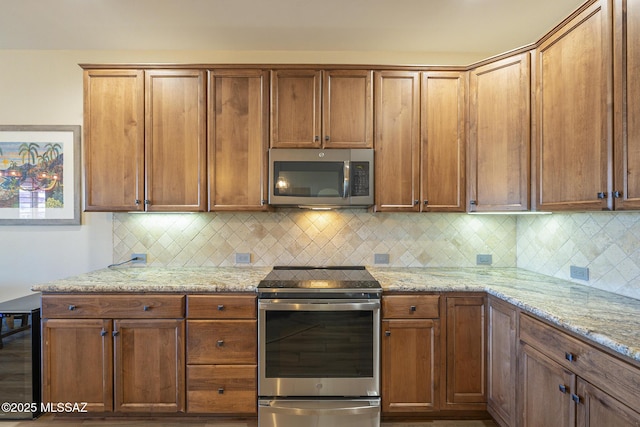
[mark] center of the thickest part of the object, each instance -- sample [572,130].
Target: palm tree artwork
[31,175]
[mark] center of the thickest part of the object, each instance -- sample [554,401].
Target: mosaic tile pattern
[296,237]
[608,243]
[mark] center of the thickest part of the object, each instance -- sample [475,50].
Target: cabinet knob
[570,357]
[103,333]
[72,307]
[602,195]
[473,202]
[326,138]
[220,343]
[316,138]
[412,308]
[416,202]
[426,202]
[562,388]
[147,201]
[617,194]
[220,307]
[137,202]
[220,391]
[146,308]
[575,398]
[387,333]
[115,333]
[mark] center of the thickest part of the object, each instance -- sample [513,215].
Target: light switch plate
[243,258]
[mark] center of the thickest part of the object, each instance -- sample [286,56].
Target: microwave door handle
[346,186]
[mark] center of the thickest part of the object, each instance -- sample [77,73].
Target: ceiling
[485,27]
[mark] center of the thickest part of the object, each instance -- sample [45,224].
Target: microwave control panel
[359,178]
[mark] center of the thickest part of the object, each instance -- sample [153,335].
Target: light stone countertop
[605,318]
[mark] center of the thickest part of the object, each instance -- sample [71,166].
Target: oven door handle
[293,305]
[320,408]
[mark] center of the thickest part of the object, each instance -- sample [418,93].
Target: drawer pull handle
[413,308]
[72,307]
[563,388]
[146,308]
[220,343]
[570,357]
[220,307]
[220,391]
[575,398]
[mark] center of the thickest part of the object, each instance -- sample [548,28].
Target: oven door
[316,347]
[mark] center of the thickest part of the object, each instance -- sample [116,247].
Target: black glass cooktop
[319,279]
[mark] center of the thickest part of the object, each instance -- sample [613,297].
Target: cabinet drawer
[113,306]
[607,372]
[222,342]
[411,306]
[221,306]
[221,389]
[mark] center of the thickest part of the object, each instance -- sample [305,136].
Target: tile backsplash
[297,237]
[608,243]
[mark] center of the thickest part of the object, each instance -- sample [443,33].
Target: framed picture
[39,175]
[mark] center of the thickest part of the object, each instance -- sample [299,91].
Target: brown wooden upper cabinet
[397,141]
[443,106]
[626,96]
[238,134]
[573,119]
[145,140]
[321,108]
[499,135]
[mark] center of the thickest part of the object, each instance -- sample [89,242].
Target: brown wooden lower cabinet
[466,374]
[502,362]
[222,354]
[114,364]
[139,362]
[410,354]
[596,408]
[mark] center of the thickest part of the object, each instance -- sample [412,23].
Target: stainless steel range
[319,347]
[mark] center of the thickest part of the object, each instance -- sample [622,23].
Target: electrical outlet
[139,258]
[484,259]
[243,258]
[381,258]
[580,273]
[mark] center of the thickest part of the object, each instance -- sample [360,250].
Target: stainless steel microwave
[321,178]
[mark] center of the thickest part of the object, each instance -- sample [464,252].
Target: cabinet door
[149,365]
[347,106]
[397,141]
[466,357]
[627,104]
[175,151]
[296,108]
[77,362]
[598,409]
[499,135]
[410,365]
[238,132]
[501,363]
[443,141]
[573,120]
[114,140]
[546,389]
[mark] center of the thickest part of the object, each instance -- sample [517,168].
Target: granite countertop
[605,318]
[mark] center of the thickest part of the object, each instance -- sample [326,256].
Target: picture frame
[40,170]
